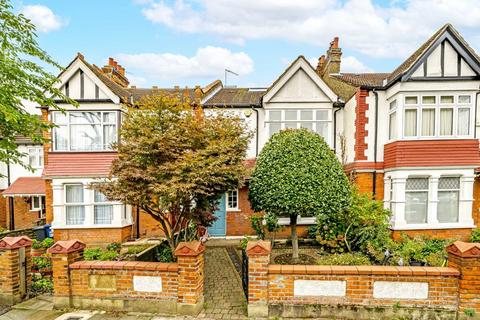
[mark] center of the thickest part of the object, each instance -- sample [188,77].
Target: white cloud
[43,18]
[390,31]
[208,62]
[352,64]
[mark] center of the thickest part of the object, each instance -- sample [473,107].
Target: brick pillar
[466,258]
[64,253]
[258,253]
[12,290]
[190,261]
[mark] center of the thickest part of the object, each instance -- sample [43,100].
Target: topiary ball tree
[297,174]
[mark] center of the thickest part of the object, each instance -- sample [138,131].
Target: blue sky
[177,42]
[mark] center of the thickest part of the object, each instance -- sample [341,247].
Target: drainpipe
[138,222]
[10,201]
[374,187]
[256,133]
[339,106]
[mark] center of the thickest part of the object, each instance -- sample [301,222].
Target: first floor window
[35,157]
[103,212]
[74,204]
[463,121]
[416,200]
[84,131]
[428,122]
[316,120]
[232,199]
[410,122]
[392,133]
[448,199]
[446,121]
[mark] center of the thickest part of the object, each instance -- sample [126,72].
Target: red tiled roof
[76,164]
[26,186]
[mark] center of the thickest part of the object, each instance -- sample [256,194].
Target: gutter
[256,132]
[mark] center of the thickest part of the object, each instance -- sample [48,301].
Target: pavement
[224,298]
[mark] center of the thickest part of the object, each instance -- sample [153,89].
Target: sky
[191,42]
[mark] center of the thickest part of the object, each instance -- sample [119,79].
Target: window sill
[234,210]
[92,226]
[439,226]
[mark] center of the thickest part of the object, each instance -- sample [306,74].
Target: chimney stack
[330,64]
[115,72]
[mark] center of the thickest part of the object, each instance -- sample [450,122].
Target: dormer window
[84,131]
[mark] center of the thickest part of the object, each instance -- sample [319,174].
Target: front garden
[298,175]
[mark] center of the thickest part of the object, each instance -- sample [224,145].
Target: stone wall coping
[192,248]
[66,246]
[125,265]
[260,247]
[9,243]
[464,249]
[362,270]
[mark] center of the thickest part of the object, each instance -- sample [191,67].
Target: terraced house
[409,137]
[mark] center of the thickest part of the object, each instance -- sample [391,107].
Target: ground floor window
[232,200]
[77,205]
[430,199]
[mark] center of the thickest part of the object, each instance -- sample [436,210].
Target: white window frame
[299,122]
[32,205]
[102,203]
[427,191]
[68,125]
[227,196]
[37,154]
[419,106]
[393,106]
[450,190]
[395,180]
[74,204]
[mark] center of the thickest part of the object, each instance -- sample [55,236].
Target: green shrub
[41,285]
[99,254]
[114,246]
[164,253]
[475,236]
[344,259]
[36,244]
[41,262]
[265,224]
[136,249]
[47,243]
[361,227]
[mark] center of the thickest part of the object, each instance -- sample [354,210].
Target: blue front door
[219,227]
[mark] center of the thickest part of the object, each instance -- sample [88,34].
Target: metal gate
[245,272]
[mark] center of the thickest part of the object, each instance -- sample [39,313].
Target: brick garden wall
[175,288]
[364,292]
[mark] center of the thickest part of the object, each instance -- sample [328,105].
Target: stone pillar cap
[260,247]
[66,246]
[464,249]
[192,248]
[8,243]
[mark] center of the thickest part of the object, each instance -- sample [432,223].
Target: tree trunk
[293,229]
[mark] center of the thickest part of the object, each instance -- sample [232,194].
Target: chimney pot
[335,42]
[133,87]
[176,87]
[111,62]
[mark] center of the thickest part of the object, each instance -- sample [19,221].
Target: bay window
[416,200]
[448,199]
[316,120]
[84,130]
[74,204]
[102,210]
[392,121]
[434,116]
[430,199]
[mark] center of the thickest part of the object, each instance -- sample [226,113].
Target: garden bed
[147,251]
